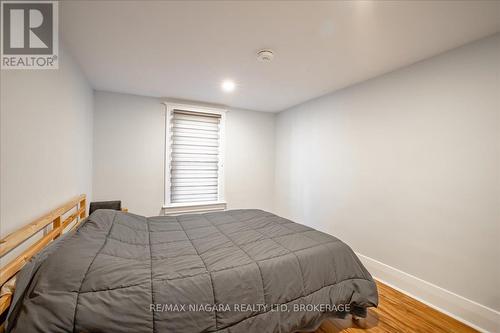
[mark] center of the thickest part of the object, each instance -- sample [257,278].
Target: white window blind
[194,156]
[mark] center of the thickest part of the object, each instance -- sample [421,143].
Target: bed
[230,271]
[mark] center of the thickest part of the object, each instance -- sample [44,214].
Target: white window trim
[179,208]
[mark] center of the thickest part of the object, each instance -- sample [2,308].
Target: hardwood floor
[397,313]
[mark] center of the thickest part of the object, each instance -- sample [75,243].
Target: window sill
[199,207]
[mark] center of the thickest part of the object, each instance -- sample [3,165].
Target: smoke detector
[265,55]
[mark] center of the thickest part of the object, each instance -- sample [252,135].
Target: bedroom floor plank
[397,312]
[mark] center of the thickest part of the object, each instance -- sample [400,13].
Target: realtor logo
[29,35]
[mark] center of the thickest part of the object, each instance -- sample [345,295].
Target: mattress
[231,271]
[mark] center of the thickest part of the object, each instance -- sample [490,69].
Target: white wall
[129,154]
[406,169]
[46,141]
[249,160]
[129,135]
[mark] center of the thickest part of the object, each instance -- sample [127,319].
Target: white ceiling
[185,49]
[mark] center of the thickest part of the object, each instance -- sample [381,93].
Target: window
[194,172]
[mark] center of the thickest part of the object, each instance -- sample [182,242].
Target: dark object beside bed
[125,273]
[114,205]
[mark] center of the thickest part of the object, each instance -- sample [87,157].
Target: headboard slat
[14,239]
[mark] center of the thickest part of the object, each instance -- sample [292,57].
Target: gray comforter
[233,271]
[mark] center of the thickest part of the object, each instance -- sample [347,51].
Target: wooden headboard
[54,223]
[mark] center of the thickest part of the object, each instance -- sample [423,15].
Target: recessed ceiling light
[228,85]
